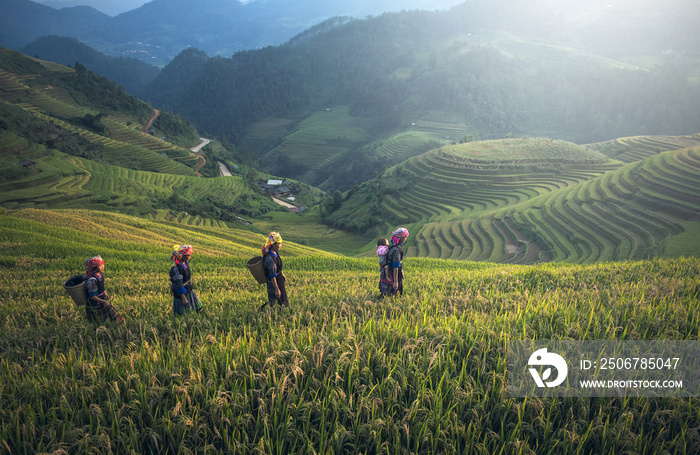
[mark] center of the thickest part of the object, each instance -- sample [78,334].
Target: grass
[337,372]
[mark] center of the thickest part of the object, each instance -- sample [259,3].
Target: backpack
[75,287]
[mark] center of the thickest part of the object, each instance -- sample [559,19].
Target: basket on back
[255,265]
[75,287]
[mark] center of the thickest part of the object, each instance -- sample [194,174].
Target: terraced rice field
[128,147]
[631,149]
[322,138]
[404,145]
[624,214]
[10,83]
[61,180]
[450,131]
[42,102]
[130,155]
[446,188]
[326,136]
[120,132]
[13,145]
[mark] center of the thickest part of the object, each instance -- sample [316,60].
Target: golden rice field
[339,371]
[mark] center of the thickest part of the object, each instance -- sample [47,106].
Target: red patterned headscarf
[91,263]
[179,251]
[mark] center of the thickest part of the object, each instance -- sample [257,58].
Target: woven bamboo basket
[255,265]
[75,287]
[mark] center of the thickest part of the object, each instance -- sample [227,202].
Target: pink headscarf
[179,251]
[91,263]
[398,234]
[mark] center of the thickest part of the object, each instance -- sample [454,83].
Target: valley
[511,201]
[546,164]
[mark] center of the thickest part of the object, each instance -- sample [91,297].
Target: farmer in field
[394,260]
[184,296]
[98,308]
[272,263]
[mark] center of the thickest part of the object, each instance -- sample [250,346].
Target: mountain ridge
[159,30]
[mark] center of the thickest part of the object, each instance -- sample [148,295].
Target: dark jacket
[180,276]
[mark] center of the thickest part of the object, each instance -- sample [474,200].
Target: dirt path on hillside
[148,124]
[196,150]
[200,164]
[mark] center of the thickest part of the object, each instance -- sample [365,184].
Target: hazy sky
[111,7]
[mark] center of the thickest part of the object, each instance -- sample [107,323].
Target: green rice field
[339,371]
[536,200]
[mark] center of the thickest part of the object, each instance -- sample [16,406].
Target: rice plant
[339,371]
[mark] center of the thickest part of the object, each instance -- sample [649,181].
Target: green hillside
[531,200]
[337,372]
[515,201]
[333,149]
[69,138]
[61,181]
[86,115]
[641,210]
[457,181]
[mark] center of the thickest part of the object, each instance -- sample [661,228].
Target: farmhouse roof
[274,182]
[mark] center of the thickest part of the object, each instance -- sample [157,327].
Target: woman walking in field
[272,263]
[394,260]
[184,296]
[98,308]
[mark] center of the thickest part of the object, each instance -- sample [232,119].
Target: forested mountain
[23,21]
[159,30]
[133,74]
[482,70]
